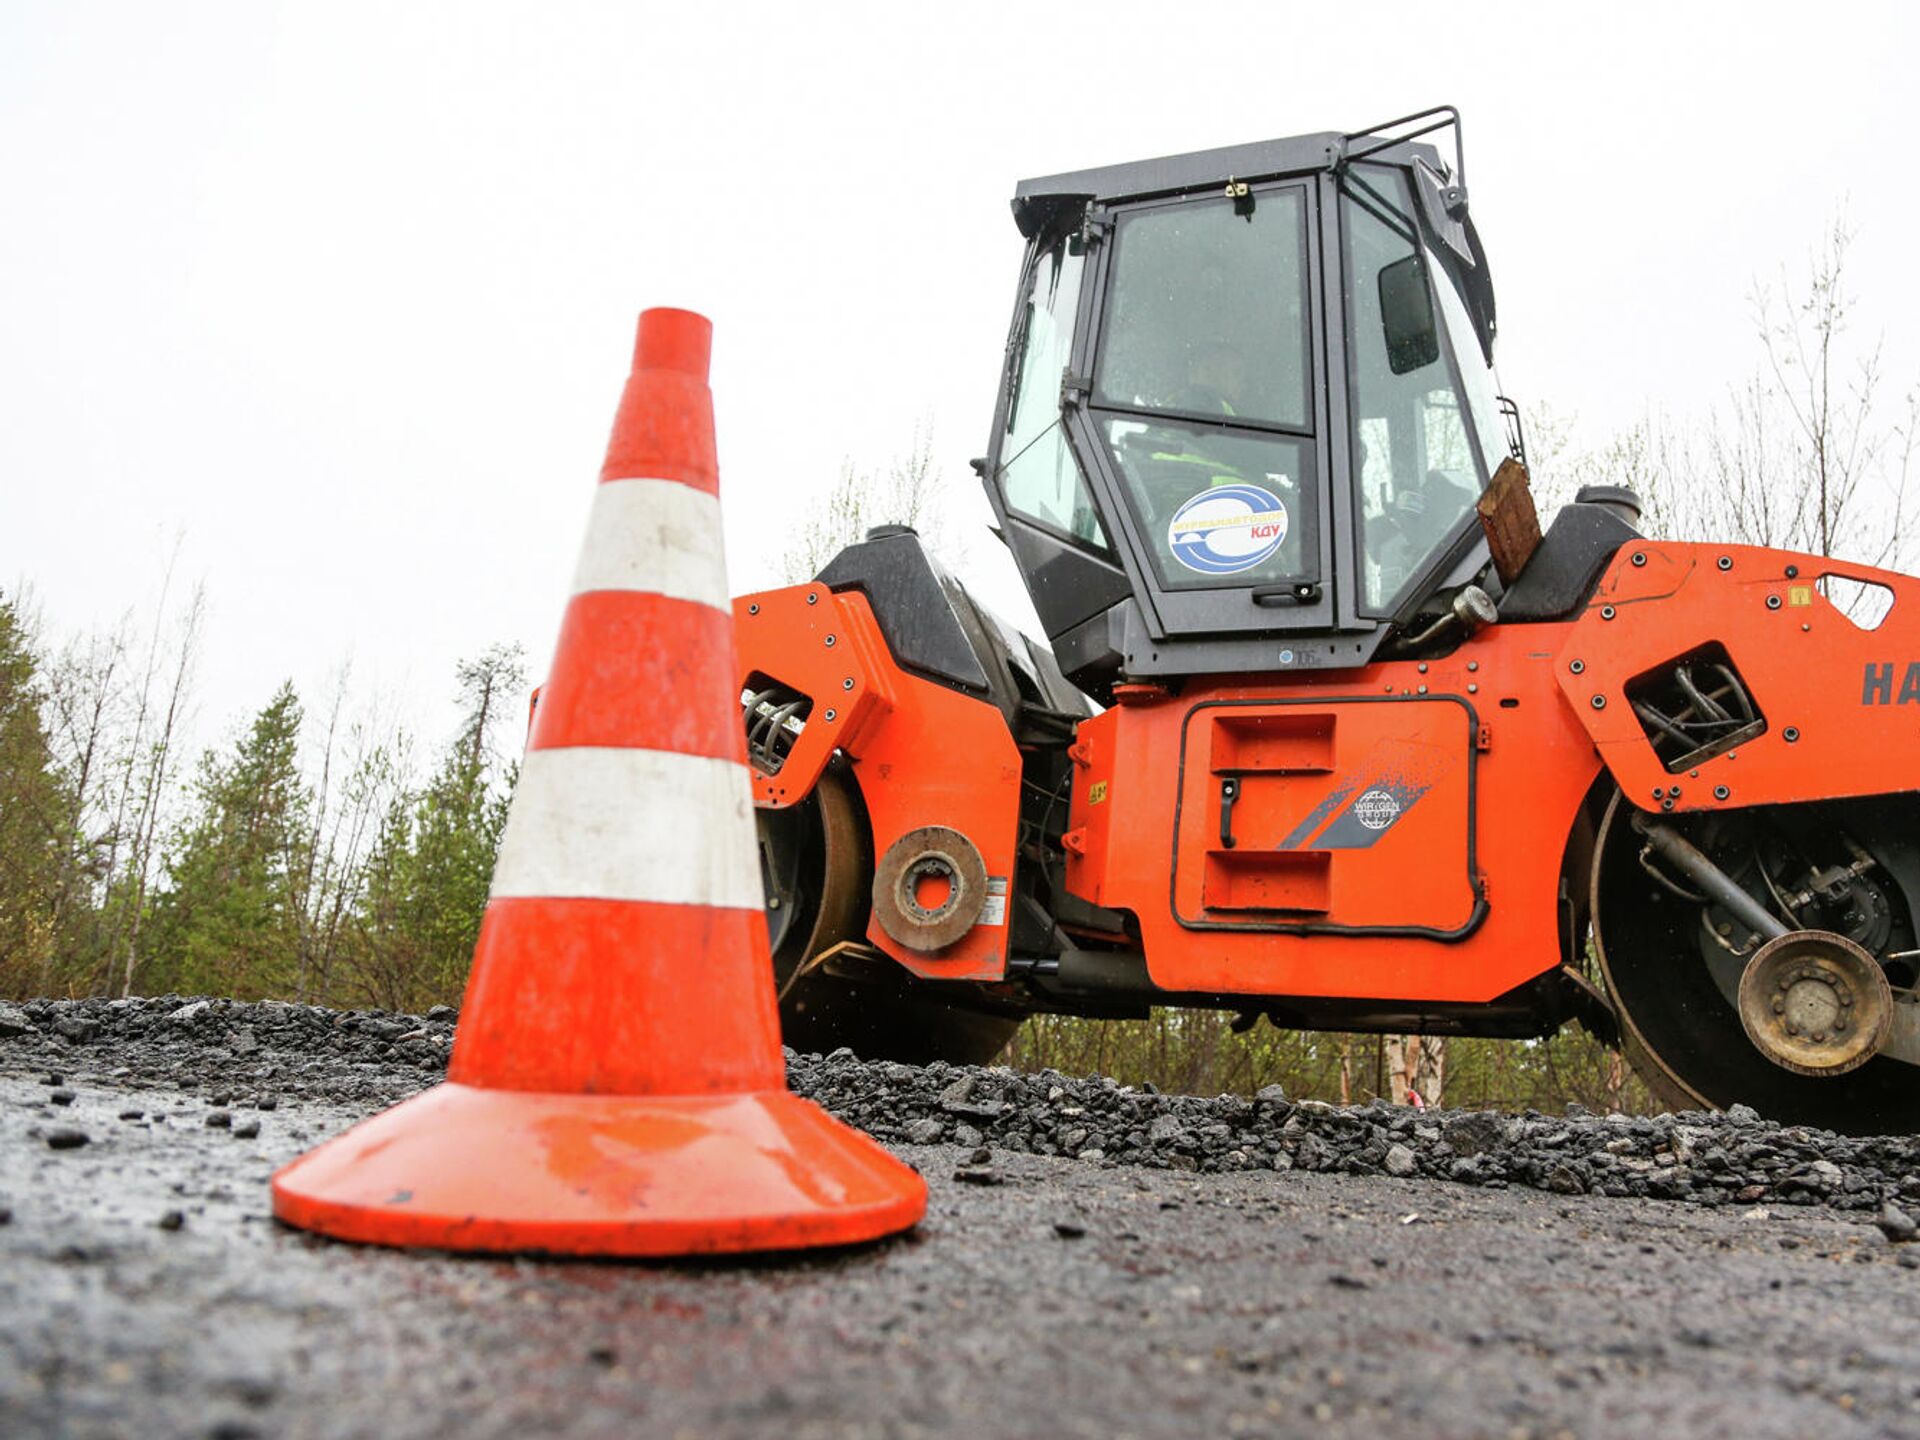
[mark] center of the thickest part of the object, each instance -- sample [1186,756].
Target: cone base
[462,1168]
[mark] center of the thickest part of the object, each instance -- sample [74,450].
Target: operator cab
[1248,405]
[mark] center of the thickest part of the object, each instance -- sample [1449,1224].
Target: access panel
[1350,816]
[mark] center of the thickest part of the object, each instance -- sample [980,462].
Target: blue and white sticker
[1227,529]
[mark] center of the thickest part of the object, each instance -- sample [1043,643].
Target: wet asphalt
[144,1290]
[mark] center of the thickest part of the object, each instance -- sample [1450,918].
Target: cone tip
[672,339]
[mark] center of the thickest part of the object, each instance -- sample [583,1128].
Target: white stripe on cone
[602,824]
[657,536]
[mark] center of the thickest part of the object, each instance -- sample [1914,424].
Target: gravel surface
[244,1052]
[1096,1261]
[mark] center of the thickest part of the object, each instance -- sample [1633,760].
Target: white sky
[344,294]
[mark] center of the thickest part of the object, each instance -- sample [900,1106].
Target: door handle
[1229,792]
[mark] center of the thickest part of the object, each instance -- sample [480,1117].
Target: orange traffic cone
[616,1087]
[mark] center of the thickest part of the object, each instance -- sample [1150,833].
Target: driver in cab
[1186,460]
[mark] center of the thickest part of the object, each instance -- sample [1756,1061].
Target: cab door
[1202,416]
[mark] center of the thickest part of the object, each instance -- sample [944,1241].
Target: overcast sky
[343,295]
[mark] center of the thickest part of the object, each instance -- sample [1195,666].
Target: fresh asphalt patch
[1095,1261]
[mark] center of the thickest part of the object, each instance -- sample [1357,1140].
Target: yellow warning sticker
[1096,792]
[1800,595]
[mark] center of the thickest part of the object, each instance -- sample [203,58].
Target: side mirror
[1406,316]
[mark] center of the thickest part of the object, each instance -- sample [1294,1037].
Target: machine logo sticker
[1367,803]
[1376,809]
[1227,529]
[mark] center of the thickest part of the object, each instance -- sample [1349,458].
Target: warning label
[994,912]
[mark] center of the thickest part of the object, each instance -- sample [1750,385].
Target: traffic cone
[616,1086]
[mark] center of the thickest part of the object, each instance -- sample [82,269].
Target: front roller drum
[1699,1045]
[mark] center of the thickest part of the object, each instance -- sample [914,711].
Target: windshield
[1416,462]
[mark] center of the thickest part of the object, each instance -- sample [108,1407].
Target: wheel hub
[932,917]
[1815,1003]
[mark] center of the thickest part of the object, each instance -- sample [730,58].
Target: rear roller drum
[1791,990]
[817,860]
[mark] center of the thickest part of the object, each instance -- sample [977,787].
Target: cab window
[1038,477]
[1415,465]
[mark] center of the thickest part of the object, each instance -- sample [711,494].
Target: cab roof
[1037,202]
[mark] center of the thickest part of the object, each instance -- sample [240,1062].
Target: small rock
[925,1131]
[61,1097]
[14,1021]
[218,1119]
[976,1175]
[133,1114]
[191,1011]
[65,1137]
[6,1214]
[602,1355]
[266,1102]
[1347,1282]
[1166,1129]
[172,1220]
[1068,1230]
[246,1129]
[443,1014]
[1565,1180]
[1275,1095]
[981,1156]
[1822,1175]
[966,1135]
[1742,1114]
[1473,1133]
[1400,1160]
[1896,1224]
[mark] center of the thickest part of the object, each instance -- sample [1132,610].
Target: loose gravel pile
[251,1054]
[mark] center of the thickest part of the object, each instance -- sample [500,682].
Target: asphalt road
[1062,1299]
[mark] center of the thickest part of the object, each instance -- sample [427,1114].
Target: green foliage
[1198,1052]
[229,922]
[431,865]
[34,842]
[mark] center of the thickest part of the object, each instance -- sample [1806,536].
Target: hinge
[1484,740]
[1074,389]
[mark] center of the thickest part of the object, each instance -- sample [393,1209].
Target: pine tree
[34,848]
[426,879]
[228,923]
